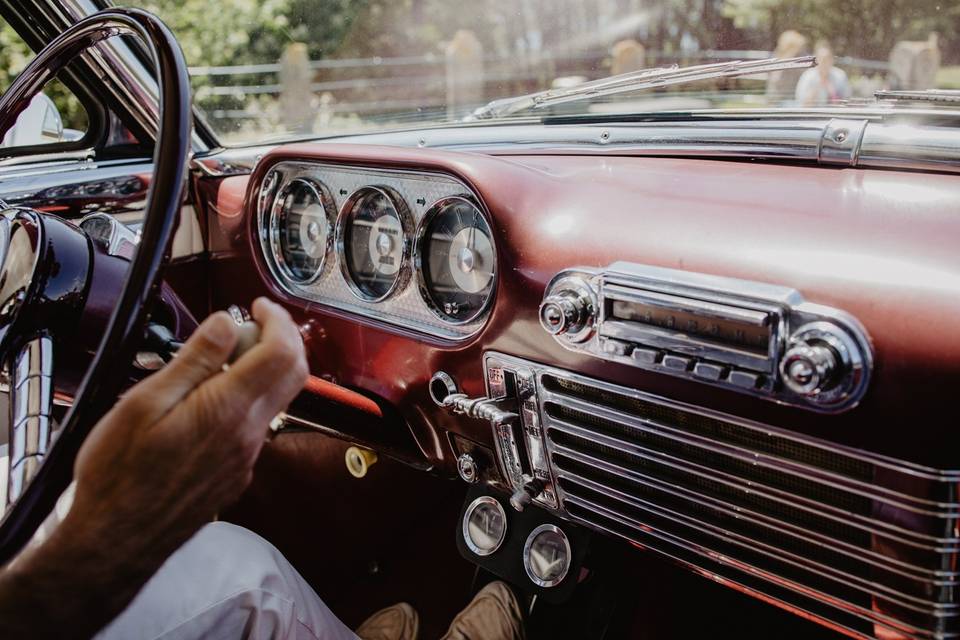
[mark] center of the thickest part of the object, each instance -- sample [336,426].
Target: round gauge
[301,229]
[374,242]
[455,260]
[484,525]
[546,555]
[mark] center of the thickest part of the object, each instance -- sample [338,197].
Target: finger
[256,387]
[278,358]
[201,357]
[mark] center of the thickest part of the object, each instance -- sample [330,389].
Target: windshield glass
[264,69]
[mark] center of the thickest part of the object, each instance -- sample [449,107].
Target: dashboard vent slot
[863,543]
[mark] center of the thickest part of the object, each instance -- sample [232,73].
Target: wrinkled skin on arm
[173,452]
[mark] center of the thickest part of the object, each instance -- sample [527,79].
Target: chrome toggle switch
[524,495]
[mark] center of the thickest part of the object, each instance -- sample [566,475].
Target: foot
[399,622]
[493,614]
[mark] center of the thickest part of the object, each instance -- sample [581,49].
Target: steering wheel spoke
[31,412]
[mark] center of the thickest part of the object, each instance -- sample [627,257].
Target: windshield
[266,69]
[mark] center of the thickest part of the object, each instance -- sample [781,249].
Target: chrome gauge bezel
[528,545]
[403,307]
[420,267]
[406,224]
[465,525]
[273,228]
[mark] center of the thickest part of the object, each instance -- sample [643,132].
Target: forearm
[83,576]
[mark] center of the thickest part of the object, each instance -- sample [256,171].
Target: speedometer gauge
[301,229]
[455,259]
[374,242]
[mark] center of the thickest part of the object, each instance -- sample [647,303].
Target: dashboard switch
[744,379]
[617,347]
[467,468]
[532,487]
[646,356]
[708,370]
[678,363]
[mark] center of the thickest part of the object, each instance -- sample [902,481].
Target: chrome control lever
[496,410]
[524,495]
[444,392]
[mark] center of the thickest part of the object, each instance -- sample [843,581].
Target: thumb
[201,357]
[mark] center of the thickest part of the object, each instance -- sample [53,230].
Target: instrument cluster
[412,249]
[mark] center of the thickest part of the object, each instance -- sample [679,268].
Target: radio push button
[708,371]
[744,379]
[617,347]
[677,363]
[646,356]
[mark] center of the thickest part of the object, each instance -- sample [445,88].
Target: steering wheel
[47,268]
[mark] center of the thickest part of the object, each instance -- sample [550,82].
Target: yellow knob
[359,460]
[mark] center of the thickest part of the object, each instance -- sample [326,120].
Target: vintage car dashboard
[745,367]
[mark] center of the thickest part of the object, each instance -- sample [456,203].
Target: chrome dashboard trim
[403,307]
[863,540]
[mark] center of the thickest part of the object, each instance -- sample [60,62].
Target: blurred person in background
[824,83]
[782,85]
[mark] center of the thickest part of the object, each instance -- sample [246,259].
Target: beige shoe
[493,614]
[399,622]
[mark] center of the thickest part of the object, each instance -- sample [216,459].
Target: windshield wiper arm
[638,81]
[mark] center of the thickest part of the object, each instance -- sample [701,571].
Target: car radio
[751,337]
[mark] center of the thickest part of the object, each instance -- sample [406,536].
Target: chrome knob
[564,312]
[467,468]
[532,487]
[809,368]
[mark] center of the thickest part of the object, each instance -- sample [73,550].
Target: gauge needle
[546,566]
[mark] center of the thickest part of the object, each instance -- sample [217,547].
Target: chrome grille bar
[866,544]
[866,556]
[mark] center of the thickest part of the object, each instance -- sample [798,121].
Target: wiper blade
[949,96]
[638,81]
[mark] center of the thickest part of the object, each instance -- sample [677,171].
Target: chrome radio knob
[564,312]
[809,368]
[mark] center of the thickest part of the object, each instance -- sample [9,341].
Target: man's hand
[175,450]
[181,444]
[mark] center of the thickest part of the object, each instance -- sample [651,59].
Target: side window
[53,116]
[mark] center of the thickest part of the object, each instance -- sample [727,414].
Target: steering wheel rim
[104,380]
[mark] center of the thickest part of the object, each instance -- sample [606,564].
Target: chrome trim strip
[896,572]
[807,472]
[892,464]
[850,580]
[802,590]
[758,518]
[783,497]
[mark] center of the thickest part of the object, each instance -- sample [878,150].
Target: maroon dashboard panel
[879,245]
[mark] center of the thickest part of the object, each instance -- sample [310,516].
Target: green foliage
[14,56]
